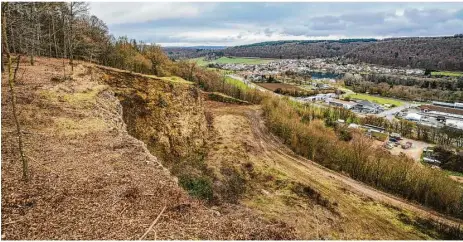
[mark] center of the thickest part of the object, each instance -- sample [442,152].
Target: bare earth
[90,179]
[414,152]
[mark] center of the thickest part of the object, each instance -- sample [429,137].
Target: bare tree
[11,83]
[76,9]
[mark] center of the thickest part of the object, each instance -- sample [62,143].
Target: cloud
[123,13]
[365,18]
[243,23]
[427,16]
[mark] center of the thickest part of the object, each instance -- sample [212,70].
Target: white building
[413,117]
[454,123]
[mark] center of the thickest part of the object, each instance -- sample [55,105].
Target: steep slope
[317,202]
[90,178]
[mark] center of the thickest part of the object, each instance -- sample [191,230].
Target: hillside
[413,52]
[109,149]
[296,49]
[444,53]
[141,146]
[90,179]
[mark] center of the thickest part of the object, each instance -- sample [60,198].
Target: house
[319,97]
[454,123]
[448,105]
[375,128]
[413,117]
[353,126]
[340,103]
[368,107]
[322,86]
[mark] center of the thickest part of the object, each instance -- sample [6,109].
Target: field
[375,99]
[447,73]
[274,86]
[232,60]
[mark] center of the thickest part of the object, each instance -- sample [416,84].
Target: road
[273,143]
[389,114]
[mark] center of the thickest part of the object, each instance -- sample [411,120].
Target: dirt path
[273,142]
[361,212]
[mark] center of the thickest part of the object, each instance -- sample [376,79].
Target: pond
[324,75]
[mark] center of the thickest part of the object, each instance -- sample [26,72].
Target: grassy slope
[379,100]
[274,178]
[237,83]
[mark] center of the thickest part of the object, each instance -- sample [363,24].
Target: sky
[232,23]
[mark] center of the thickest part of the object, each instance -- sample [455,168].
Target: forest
[414,52]
[65,30]
[402,52]
[407,87]
[294,49]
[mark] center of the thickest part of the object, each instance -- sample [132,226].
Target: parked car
[407,145]
[389,145]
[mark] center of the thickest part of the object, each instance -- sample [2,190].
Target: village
[305,66]
[320,80]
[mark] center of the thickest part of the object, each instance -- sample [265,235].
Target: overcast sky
[192,24]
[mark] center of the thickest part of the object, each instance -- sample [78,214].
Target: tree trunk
[11,82]
[71,39]
[54,35]
[33,40]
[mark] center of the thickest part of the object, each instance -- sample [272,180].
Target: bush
[234,185]
[200,187]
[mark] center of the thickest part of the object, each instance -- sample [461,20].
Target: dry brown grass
[288,188]
[90,178]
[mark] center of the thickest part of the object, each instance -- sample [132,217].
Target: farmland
[375,99]
[232,60]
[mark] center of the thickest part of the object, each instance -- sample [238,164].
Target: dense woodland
[407,87]
[178,53]
[450,160]
[65,30]
[295,49]
[440,53]
[412,52]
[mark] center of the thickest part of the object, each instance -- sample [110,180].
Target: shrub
[233,186]
[200,187]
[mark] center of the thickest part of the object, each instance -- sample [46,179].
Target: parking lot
[414,152]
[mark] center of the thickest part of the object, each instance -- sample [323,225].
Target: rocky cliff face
[165,113]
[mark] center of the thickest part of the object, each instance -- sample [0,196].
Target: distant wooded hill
[438,53]
[191,52]
[442,53]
